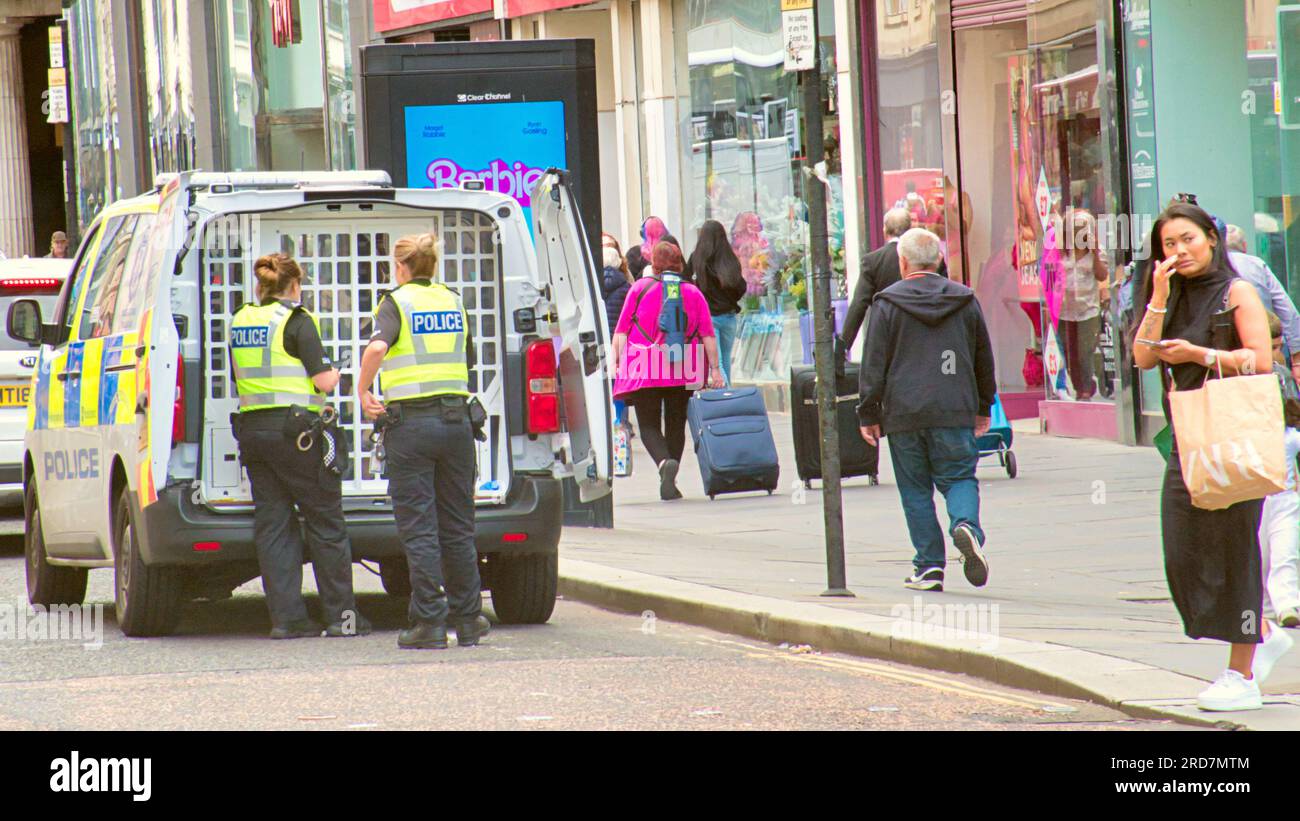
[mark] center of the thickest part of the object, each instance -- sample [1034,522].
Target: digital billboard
[508,146]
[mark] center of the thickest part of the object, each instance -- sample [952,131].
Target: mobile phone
[1148,342]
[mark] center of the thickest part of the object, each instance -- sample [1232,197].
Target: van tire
[395,573]
[524,587]
[47,584]
[147,599]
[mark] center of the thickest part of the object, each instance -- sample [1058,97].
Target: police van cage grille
[347,268]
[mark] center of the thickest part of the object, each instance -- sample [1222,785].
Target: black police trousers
[430,469]
[282,477]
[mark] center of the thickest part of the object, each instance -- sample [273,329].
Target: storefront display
[744,167]
[286,99]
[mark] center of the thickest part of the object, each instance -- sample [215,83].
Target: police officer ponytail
[276,274]
[419,253]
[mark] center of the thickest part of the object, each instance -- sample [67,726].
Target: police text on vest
[250,336]
[437,322]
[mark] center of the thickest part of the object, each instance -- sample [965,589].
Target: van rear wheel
[47,584]
[147,599]
[524,587]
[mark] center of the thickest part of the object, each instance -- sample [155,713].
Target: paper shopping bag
[1230,443]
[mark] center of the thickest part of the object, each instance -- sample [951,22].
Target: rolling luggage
[997,442]
[733,441]
[857,458]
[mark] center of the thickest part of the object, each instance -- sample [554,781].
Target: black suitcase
[857,458]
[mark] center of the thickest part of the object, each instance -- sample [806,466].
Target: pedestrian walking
[1279,525]
[927,383]
[879,271]
[615,284]
[428,422]
[1271,292]
[1212,557]
[636,264]
[652,233]
[282,376]
[714,268]
[664,349]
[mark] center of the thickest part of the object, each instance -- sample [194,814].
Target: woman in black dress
[1212,557]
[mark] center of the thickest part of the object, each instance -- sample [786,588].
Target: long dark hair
[713,262]
[1156,254]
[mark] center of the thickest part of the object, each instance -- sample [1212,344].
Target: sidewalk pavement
[1076,603]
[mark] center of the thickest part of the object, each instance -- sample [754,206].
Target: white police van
[129,461]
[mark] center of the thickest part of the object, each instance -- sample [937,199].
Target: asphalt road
[586,669]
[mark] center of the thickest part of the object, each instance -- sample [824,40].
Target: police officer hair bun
[419,253]
[275,273]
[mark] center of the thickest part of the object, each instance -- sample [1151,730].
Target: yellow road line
[869,668]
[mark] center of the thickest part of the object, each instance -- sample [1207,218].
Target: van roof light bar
[284,180]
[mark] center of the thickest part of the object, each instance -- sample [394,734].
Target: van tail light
[178,407]
[542,386]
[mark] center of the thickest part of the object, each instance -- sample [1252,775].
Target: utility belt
[452,409]
[302,428]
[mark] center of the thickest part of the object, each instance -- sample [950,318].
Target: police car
[129,461]
[38,279]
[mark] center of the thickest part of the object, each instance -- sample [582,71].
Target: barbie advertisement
[508,146]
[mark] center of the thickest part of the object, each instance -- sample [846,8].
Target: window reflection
[744,119]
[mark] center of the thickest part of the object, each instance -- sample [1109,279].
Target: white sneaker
[1269,651]
[1232,691]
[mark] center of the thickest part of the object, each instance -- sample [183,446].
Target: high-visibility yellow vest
[266,375]
[428,358]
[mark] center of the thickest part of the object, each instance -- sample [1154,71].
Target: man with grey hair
[879,271]
[1256,271]
[927,383]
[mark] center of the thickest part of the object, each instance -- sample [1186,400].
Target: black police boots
[359,625]
[423,636]
[304,629]
[468,633]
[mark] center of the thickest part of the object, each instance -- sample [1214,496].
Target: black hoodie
[928,361]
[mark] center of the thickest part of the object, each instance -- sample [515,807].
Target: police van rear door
[153,393]
[578,323]
[345,251]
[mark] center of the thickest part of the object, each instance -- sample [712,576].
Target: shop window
[1274,235]
[743,168]
[273,97]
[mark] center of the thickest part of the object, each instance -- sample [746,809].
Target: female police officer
[282,375]
[423,343]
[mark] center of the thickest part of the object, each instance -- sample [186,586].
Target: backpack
[672,316]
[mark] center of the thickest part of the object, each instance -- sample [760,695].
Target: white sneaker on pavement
[1230,692]
[1269,651]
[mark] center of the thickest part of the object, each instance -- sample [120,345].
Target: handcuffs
[306,439]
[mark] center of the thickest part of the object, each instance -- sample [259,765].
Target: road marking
[921,679]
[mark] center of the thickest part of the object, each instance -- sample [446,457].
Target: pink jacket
[646,361]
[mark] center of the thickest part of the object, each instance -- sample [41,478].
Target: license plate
[15,395]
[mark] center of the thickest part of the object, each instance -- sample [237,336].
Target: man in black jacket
[927,383]
[879,271]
